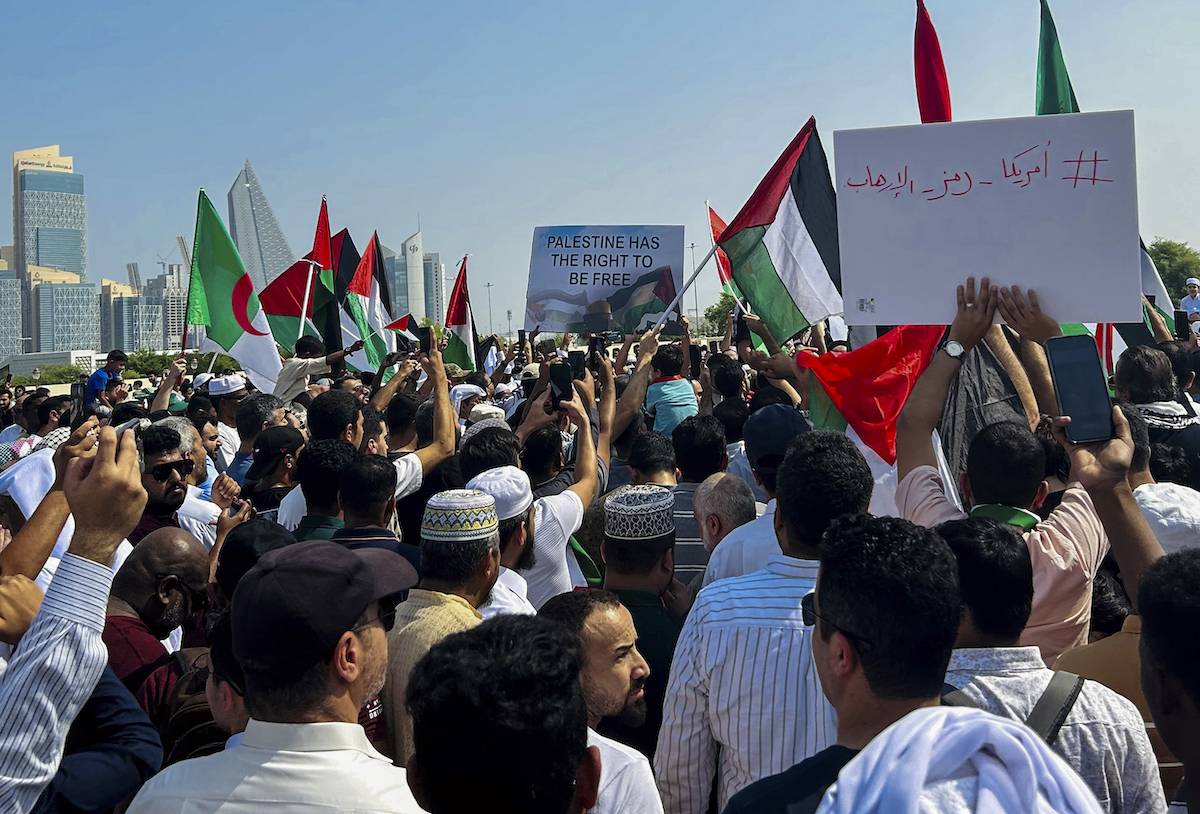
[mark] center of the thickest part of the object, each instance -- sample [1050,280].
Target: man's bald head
[164,579]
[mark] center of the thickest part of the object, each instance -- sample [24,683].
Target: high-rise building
[435,286]
[110,292]
[10,313]
[423,294]
[137,324]
[169,291]
[68,316]
[252,224]
[49,218]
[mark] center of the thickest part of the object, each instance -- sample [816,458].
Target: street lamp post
[695,290]
[488,286]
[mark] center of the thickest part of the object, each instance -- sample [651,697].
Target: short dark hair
[253,412]
[668,360]
[995,575]
[401,413]
[1110,605]
[727,377]
[1172,464]
[309,347]
[117,355]
[699,443]
[29,408]
[319,469]
[1005,464]
[477,378]
[455,562]
[504,698]
[509,526]
[373,423]
[766,396]
[157,440]
[331,412]
[1182,357]
[55,404]
[202,421]
[1169,604]
[488,449]
[199,404]
[367,484]
[542,450]
[636,556]
[732,413]
[822,477]
[1139,431]
[243,547]
[652,452]
[127,411]
[572,609]
[1144,375]
[892,588]
[225,666]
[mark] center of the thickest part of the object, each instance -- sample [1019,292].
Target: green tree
[717,313]
[146,362]
[1176,262]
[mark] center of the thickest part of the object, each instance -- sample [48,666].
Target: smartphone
[547,347]
[714,348]
[741,331]
[424,338]
[560,383]
[595,350]
[1183,326]
[1081,387]
[694,353]
[577,359]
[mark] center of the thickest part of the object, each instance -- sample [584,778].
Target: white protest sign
[602,278]
[1043,202]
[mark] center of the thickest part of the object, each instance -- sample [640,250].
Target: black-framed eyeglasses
[809,615]
[386,617]
[204,668]
[161,472]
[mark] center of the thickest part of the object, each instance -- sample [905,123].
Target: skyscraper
[252,224]
[435,286]
[110,292]
[68,316]
[49,218]
[422,294]
[10,313]
[137,323]
[169,290]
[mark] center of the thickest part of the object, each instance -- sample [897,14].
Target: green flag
[1054,91]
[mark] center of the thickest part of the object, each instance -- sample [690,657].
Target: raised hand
[975,313]
[105,495]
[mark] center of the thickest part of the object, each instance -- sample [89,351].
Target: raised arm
[923,410]
[384,395]
[756,325]
[586,472]
[1024,315]
[443,415]
[623,355]
[1158,325]
[608,410]
[162,397]
[635,391]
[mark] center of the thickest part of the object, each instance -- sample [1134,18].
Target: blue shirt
[671,400]
[239,466]
[1190,304]
[96,384]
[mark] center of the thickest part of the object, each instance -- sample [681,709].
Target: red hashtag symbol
[1080,172]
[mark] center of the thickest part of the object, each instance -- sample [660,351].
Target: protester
[227,393]
[652,460]
[613,679]
[165,470]
[310,359]
[670,397]
[309,664]
[224,689]
[639,560]
[367,498]
[504,698]
[513,493]
[748,547]
[749,632]
[400,416]
[460,561]
[722,504]
[886,610]
[1173,511]
[319,471]
[1144,378]
[699,444]
[254,414]
[114,363]
[272,472]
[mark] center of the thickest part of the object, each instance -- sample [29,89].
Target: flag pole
[679,295]
[308,278]
[712,240]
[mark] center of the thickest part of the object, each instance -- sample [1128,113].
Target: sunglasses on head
[386,617]
[162,472]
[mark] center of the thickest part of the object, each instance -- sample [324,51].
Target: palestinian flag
[221,298]
[460,324]
[367,299]
[1055,95]
[783,245]
[324,309]
[405,325]
[352,318]
[282,300]
[716,225]
[649,296]
[933,88]
[861,393]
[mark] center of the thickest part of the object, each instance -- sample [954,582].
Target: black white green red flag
[460,324]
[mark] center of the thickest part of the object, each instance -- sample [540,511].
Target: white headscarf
[461,392]
[957,759]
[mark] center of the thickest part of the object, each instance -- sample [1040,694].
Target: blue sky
[490,118]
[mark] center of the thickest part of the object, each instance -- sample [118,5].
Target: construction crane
[135,276]
[183,251]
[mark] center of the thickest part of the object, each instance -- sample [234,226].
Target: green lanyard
[1021,518]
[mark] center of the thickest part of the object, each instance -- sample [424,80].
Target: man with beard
[308,664]
[513,493]
[160,585]
[165,472]
[613,681]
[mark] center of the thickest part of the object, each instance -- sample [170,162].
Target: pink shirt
[1066,549]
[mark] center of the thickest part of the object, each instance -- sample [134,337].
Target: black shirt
[377,537]
[798,790]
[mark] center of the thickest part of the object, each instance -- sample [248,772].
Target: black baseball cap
[271,445]
[291,608]
[767,434]
[243,548]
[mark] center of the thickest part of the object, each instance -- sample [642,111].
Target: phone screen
[425,337]
[578,361]
[713,347]
[694,353]
[560,383]
[1182,326]
[521,335]
[1081,387]
[741,331]
[594,352]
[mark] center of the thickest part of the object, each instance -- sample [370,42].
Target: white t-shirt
[1173,512]
[230,443]
[408,480]
[509,595]
[626,781]
[555,571]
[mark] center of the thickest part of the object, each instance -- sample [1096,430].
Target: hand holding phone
[560,384]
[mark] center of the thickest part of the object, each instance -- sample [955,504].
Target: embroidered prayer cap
[480,426]
[639,513]
[459,515]
[482,412]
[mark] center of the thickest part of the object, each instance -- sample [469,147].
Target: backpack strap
[1052,709]
[954,697]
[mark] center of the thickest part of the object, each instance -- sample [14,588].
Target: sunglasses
[386,617]
[809,616]
[162,472]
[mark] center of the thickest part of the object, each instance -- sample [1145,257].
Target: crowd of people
[655,589]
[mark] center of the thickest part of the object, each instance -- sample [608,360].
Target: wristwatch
[953,349]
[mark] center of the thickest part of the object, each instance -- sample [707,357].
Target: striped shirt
[690,554]
[744,700]
[52,674]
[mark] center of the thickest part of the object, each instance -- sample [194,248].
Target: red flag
[364,273]
[933,89]
[322,254]
[717,225]
[870,385]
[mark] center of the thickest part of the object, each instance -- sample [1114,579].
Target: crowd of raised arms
[651,589]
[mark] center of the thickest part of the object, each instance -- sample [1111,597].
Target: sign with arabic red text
[1043,202]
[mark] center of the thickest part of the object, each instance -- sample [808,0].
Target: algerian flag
[649,296]
[783,245]
[221,297]
[366,298]
[460,324]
